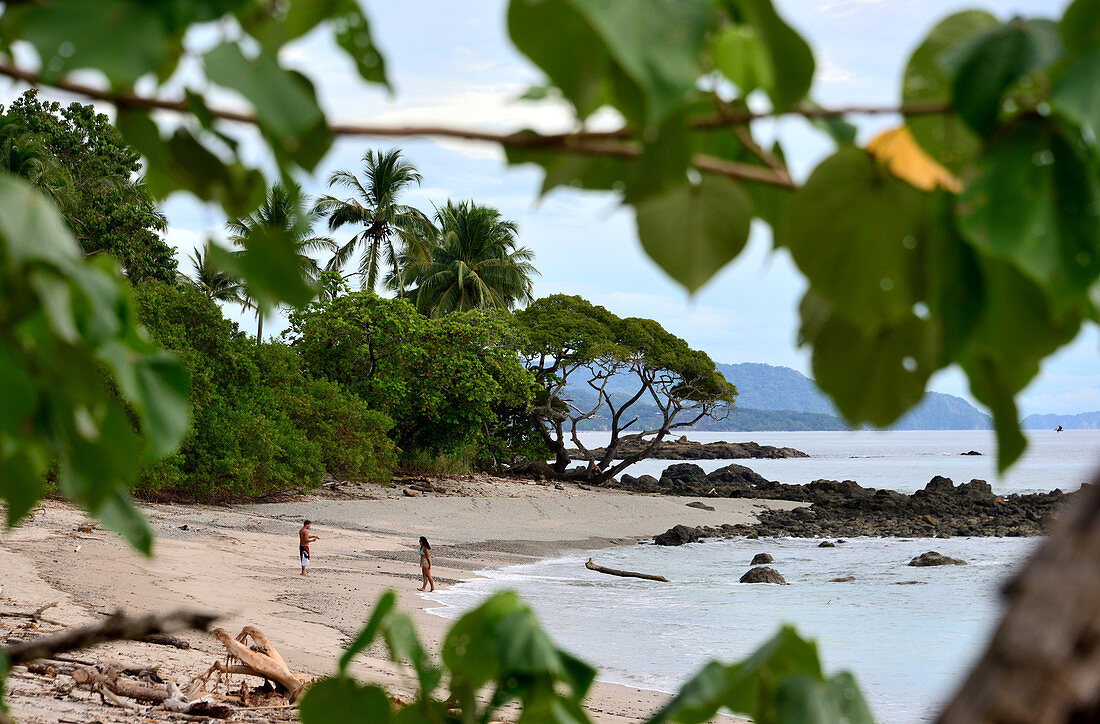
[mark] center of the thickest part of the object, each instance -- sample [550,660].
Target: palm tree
[389,230]
[23,154]
[284,212]
[212,281]
[473,263]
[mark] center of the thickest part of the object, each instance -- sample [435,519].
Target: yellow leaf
[897,150]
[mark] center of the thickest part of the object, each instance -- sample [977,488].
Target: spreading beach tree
[629,365]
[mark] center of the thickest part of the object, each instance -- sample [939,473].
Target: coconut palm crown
[284,211]
[212,281]
[388,230]
[472,263]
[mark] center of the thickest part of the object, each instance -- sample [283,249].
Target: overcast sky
[452,63]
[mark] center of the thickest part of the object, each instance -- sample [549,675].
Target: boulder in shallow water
[932,558]
[677,535]
[971,452]
[763,574]
[761,558]
[826,544]
[842,579]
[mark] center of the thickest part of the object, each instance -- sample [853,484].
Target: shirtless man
[304,539]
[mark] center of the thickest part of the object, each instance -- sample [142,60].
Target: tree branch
[618,143]
[116,627]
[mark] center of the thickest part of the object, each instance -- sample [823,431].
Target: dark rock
[803,514]
[842,579]
[763,574]
[677,535]
[932,558]
[762,558]
[684,449]
[972,452]
[975,490]
[736,475]
[700,506]
[908,583]
[826,544]
[939,485]
[684,473]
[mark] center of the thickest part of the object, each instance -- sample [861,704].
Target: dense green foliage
[630,365]
[259,424]
[499,648]
[108,211]
[472,261]
[445,382]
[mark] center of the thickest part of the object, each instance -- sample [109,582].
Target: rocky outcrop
[761,558]
[842,579]
[700,506]
[677,536]
[690,479]
[684,449]
[763,574]
[843,509]
[932,558]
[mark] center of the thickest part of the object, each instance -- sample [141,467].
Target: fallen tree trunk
[266,661]
[625,574]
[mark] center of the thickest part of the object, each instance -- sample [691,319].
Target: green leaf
[874,374]
[119,514]
[927,81]
[1080,26]
[792,60]
[581,80]
[693,231]
[740,56]
[382,609]
[353,35]
[31,227]
[285,103]
[954,289]
[524,648]
[278,26]
[987,66]
[581,171]
[843,693]
[657,44]
[699,699]
[1036,204]
[160,392]
[17,394]
[21,477]
[343,700]
[468,650]
[270,266]
[1075,96]
[854,231]
[72,34]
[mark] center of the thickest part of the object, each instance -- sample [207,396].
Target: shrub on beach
[259,425]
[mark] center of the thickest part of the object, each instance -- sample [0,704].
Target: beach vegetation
[632,367]
[443,381]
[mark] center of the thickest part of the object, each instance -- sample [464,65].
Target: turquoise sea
[907,633]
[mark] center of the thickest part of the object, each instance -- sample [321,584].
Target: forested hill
[766,387]
[1082,421]
[780,398]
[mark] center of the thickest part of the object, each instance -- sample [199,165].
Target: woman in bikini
[426,565]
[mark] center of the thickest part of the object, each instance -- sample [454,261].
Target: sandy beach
[240,561]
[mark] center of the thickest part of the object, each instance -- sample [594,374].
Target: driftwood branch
[116,627]
[1043,663]
[265,661]
[625,574]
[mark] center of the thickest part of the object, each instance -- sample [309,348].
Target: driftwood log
[264,661]
[590,565]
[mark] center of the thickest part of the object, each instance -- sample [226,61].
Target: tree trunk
[259,326]
[1042,665]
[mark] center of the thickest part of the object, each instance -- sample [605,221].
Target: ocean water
[908,634]
[906,460]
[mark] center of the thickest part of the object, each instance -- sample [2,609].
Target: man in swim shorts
[304,539]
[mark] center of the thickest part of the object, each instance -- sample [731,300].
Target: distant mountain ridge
[768,387]
[1082,421]
[780,398]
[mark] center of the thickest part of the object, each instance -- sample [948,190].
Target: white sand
[241,561]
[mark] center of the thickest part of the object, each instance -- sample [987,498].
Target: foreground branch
[619,143]
[116,627]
